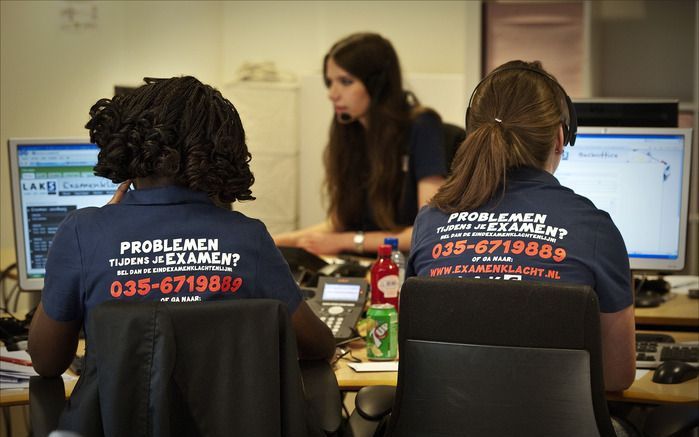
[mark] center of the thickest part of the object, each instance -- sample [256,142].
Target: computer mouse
[648,300]
[674,372]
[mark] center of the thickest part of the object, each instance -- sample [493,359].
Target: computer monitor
[611,112]
[49,178]
[640,176]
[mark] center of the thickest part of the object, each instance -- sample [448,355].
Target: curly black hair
[178,128]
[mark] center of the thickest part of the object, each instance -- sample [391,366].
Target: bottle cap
[385,250]
[391,241]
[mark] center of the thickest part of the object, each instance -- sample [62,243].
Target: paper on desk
[681,284]
[13,376]
[640,373]
[383,366]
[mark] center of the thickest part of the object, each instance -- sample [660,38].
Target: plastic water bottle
[397,257]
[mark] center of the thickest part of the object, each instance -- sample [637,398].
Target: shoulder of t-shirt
[249,225]
[81,214]
[423,218]
[424,211]
[241,218]
[578,199]
[583,208]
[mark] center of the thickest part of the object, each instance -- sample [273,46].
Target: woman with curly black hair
[182,145]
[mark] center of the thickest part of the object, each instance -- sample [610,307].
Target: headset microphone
[344,117]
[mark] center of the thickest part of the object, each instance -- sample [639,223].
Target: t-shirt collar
[532,174]
[170,194]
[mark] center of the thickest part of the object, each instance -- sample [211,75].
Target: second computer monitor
[49,179]
[640,176]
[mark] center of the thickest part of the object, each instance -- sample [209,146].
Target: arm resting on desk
[325,239]
[322,239]
[52,344]
[618,349]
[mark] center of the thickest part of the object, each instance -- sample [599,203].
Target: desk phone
[339,303]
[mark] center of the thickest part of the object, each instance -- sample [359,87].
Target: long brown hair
[512,122]
[358,160]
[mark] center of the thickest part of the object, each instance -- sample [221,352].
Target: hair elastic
[498,120]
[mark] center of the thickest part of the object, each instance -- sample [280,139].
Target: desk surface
[643,390]
[679,310]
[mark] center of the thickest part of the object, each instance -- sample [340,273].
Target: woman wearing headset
[503,215]
[384,159]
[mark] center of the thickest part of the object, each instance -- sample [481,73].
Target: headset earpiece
[572,133]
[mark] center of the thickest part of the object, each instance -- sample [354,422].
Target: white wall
[50,75]
[429,36]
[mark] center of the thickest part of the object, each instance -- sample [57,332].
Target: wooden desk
[349,380]
[643,390]
[679,310]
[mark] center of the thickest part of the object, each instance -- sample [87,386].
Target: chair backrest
[453,137]
[492,357]
[227,367]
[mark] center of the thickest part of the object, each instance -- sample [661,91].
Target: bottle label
[389,286]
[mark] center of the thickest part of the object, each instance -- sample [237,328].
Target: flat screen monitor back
[627,112]
[49,178]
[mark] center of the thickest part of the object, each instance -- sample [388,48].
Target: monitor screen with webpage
[49,178]
[640,176]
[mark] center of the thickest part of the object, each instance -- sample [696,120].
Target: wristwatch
[358,241]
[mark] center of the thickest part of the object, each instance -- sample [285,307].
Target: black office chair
[227,368]
[495,358]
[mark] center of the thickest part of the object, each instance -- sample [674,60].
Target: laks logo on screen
[39,187]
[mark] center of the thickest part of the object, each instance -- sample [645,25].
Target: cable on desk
[3,276]
[341,354]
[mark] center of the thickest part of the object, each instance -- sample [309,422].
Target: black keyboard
[649,354]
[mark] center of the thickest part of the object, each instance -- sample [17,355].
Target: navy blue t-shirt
[425,157]
[539,230]
[170,244]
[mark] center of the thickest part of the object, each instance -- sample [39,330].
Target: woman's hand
[119,193]
[325,243]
